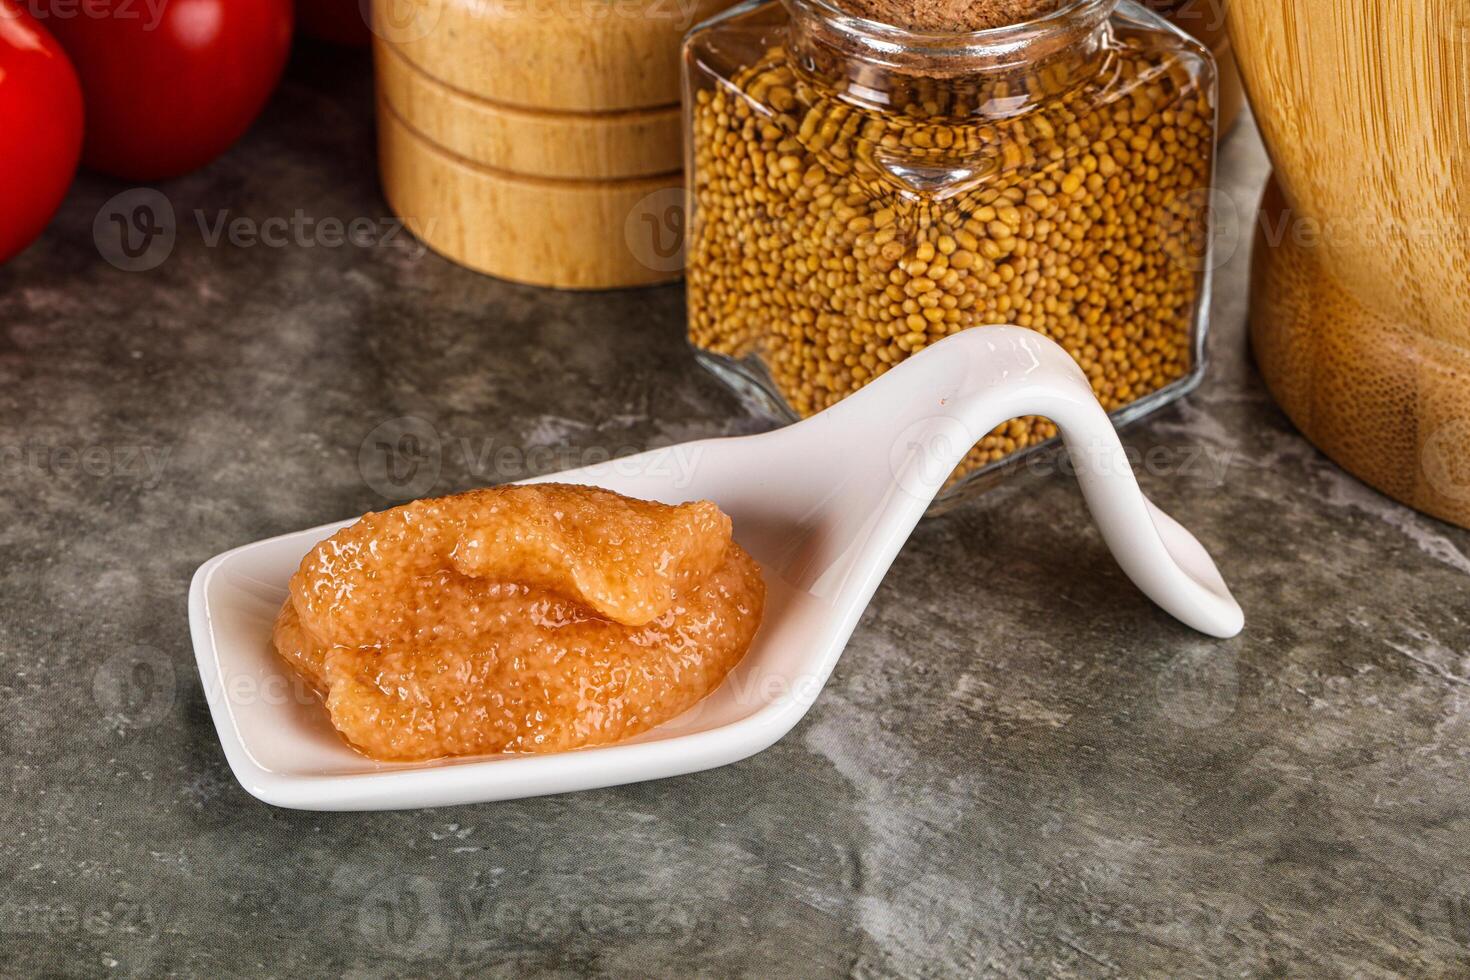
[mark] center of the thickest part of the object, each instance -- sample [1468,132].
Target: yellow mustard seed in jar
[849,211]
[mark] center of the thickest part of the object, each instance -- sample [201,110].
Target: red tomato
[40,127]
[169,84]
[337,21]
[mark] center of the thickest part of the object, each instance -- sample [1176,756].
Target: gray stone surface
[1020,766]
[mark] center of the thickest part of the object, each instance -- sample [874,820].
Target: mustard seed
[1089,231]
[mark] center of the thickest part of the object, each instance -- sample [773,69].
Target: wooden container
[1360,317]
[537,140]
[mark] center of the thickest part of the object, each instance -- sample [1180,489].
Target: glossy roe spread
[519,619]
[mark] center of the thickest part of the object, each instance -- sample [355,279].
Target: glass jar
[858,191]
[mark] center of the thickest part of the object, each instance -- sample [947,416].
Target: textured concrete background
[1019,767]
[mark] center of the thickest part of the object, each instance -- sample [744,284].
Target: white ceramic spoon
[824,505]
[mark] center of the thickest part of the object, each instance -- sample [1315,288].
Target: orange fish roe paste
[519,619]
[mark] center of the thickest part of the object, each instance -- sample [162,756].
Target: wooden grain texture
[1361,297]
[572,234]
[567,145]
[563,55]
[537,140]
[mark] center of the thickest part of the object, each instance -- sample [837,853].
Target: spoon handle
[943,400]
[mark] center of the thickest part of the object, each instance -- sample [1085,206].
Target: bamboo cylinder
[564,55]
[564,145]
[537,140]
[1360,317]
[570,234]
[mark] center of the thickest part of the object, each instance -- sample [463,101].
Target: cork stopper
[950,16]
